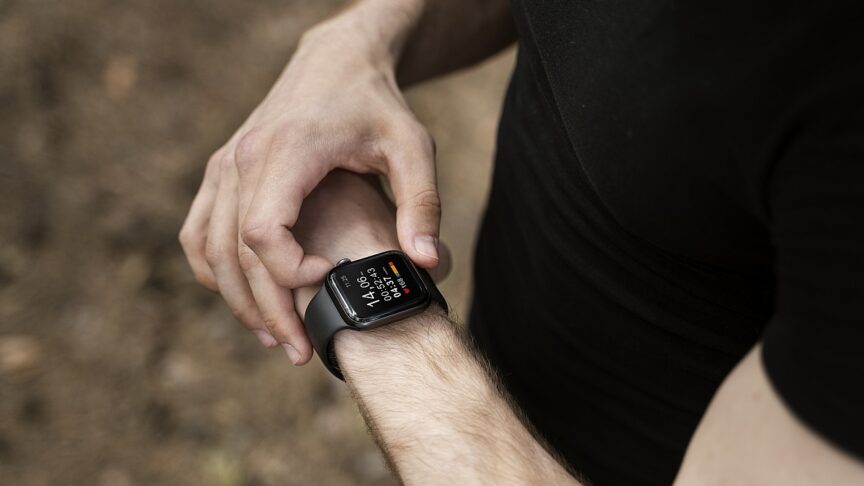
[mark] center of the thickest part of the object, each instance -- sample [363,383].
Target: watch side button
[343,261]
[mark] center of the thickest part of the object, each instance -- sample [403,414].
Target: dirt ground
[115,368]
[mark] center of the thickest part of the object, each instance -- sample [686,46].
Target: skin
[337,105]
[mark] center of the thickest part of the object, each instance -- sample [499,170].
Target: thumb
[418,206]
[445,264]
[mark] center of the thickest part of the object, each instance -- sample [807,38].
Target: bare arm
[748,436]
[435,409]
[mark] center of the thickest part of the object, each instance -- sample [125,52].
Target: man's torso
[625,264]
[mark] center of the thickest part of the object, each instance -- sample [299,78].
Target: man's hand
[349,216]
[336,105]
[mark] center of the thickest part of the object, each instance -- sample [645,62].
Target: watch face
[377,287]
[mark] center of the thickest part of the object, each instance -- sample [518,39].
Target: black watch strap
[323,321]
[327,321]
[435,295]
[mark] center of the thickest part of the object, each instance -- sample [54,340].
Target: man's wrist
[414,341]
[375,30]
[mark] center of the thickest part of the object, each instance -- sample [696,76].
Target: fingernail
[293,355]
[266,339]
[426,246]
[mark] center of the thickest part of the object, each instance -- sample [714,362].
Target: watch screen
[378,286]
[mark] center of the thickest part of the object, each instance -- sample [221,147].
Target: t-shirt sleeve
[813,348]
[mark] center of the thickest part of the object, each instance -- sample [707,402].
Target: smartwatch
[364,294]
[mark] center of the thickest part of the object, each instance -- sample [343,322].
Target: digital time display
[378,286]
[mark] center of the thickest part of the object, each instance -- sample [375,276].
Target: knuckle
[427,199]
[279,329]
[248,259]
[248,149]
[187,238]
[255,234]
[246,316]
[273,326]
[282,279]
[215,254]
[226,163]
[287,278]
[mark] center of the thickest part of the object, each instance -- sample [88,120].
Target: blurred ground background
[115,368]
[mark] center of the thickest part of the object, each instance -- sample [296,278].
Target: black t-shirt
[674,182]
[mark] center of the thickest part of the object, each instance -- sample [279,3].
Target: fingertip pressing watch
[365,294]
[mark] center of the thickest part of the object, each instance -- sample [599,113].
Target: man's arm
[748,436]
[436,410]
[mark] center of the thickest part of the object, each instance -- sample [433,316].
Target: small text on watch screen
[378,286]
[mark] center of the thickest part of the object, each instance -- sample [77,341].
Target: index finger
[272,213]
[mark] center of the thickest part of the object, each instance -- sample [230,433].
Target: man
[669,273]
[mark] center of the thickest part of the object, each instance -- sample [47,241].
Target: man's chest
[674,114]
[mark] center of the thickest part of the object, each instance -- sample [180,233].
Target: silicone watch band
[323,320]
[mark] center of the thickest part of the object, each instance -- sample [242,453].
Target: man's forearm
[420,39]
[436,411]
